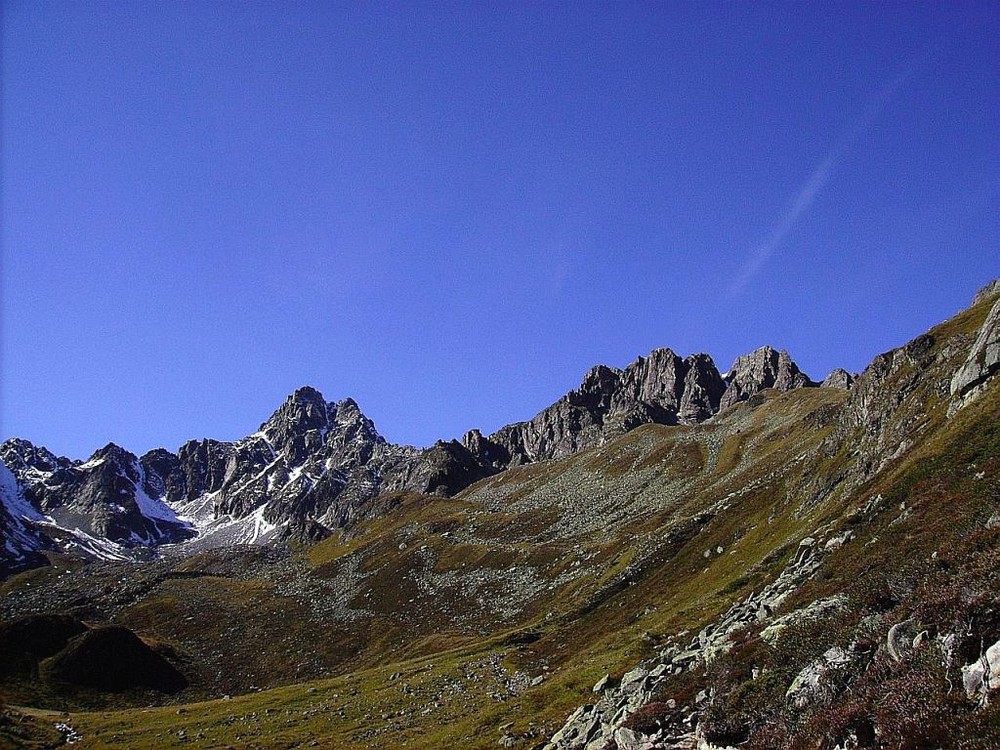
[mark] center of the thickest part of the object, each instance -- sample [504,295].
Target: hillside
[742,561]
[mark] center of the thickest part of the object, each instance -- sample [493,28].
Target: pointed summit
[346,417]
[299,425]
[761,369]
[839,378]
[303,410]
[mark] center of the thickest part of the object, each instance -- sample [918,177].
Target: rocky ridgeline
[316,465]
[661,388]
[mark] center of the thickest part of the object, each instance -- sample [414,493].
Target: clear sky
[450,211]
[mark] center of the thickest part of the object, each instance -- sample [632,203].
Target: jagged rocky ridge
[661,388]
[315,465]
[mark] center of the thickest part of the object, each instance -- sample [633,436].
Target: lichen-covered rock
[813,682]
[899,639]
[982,676]
[817,610]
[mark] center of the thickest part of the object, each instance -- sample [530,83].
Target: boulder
[983,676]
[813,682]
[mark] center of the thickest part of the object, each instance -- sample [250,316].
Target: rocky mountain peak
[839,378]
[988,291]
[654,379]
[347,418]
[597,388]
[20,455]
[762,368]
[114,455]
[305,409]
[702,389]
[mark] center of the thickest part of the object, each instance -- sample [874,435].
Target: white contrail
[803,200]
[821,174]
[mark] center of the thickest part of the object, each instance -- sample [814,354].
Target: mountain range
[316,466]
[666,557]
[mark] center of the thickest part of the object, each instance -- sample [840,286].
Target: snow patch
[13,498]
[152,508]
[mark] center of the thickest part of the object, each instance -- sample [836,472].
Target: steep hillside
[811,567]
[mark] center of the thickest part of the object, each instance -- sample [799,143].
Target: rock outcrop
[987,292]
[839,378]
[595,725]
[982,364]
[761,369]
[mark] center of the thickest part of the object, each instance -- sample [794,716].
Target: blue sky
[449,211]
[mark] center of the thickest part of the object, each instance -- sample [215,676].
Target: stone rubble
[591,726]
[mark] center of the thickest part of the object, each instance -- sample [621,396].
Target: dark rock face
[21,456]
[445,469]
[703,390]
[112,658]
[298,427]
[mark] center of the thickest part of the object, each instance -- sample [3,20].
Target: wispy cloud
[803,200]
[804,197]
